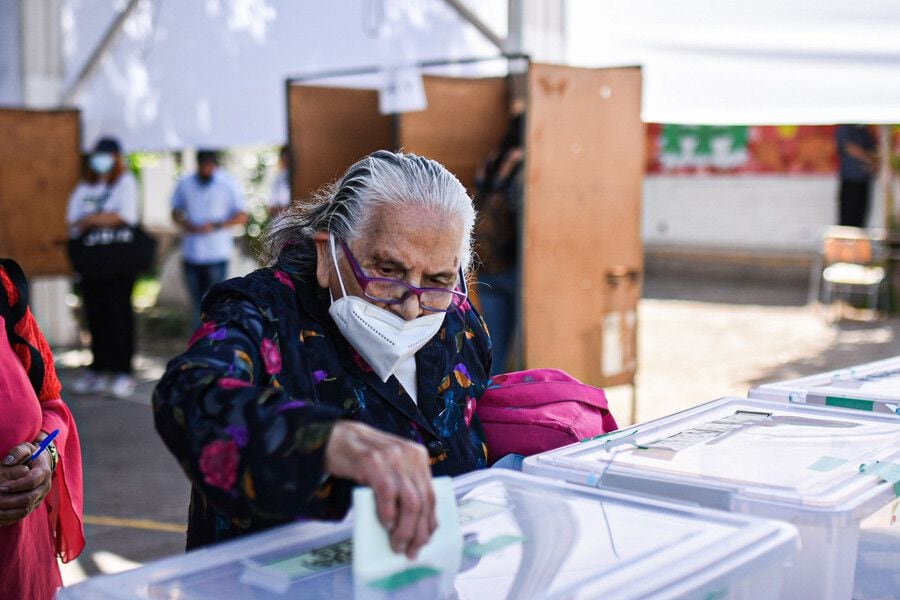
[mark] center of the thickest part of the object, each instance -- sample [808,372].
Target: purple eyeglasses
[394,291]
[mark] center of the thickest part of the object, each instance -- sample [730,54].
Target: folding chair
[850,264]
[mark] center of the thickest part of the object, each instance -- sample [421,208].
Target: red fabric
[56,527]
[28,328]
[533,411]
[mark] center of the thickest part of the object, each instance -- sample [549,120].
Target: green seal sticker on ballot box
[827,463]
[853,403]
[886,471]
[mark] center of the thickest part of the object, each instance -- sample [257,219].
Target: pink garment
[17,399]
[29,548]
[528,412]
[28,568]
[65,501]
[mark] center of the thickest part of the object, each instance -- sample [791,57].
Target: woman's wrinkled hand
[23,486]
[399,474]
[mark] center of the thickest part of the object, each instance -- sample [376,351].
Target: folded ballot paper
[378,572]
[377,568]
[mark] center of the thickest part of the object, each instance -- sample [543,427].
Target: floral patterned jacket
[249,407]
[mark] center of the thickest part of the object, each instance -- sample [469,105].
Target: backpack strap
[17,276]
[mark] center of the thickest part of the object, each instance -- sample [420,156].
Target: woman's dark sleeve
[482,337]
[250,448]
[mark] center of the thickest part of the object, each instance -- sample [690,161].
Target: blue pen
[43,445]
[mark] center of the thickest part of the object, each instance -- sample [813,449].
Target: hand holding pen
[43,445]
[27,481]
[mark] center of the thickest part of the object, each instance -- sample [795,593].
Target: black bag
[106,252]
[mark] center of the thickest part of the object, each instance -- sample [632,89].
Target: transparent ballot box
[872,387]
[524,537]
[821,469]
[878,564]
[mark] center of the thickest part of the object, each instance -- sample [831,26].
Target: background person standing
[499,185]
[859,163]
[206,205]
[280,195]
[106,197]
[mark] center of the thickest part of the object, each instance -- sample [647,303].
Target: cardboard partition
[40,164]
[581,221]
[464,122]
[329,129]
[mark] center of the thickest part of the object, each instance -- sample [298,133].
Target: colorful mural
[740,149]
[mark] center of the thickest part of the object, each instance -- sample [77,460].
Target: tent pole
[480,25]
[884,140]
[99,52]
[422,65]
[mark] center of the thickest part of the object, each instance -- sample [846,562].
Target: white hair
[346,207]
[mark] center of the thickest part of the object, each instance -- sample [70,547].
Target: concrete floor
[703,333]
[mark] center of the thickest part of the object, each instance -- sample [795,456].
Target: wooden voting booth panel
[40,163]
[582,254]
[465,120]
[329,129]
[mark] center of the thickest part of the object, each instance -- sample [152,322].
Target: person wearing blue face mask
[106,197]
[354,358]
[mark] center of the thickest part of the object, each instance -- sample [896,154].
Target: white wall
[766,214]
[157,184]
[41,52]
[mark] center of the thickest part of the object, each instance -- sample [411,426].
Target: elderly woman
[354,358]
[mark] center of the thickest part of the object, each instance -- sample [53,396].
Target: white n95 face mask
[382,338]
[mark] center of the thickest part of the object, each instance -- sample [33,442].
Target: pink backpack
[528,412]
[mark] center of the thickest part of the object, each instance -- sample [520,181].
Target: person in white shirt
[206,205]
[280,196]
[106,197]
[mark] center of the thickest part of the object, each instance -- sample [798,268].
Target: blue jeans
[199,278]
[499,307]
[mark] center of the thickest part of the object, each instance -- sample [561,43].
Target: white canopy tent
[749,62]
[212,73]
